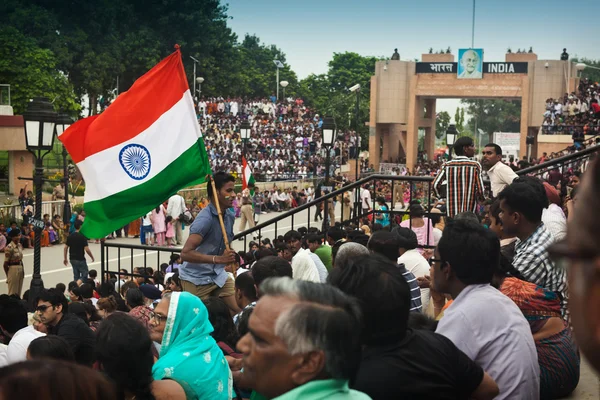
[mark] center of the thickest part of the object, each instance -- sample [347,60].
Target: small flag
[247,177]
[142,149]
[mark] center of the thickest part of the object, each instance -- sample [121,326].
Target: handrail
[559,160]
[331,195]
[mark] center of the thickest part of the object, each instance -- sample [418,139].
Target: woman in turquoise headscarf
[188,354]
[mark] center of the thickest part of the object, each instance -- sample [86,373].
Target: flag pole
[218,206]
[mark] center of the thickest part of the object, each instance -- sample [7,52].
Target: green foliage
[590,73]
[31,72]
[494,115]
[78,208]
[459,119]
[442,121]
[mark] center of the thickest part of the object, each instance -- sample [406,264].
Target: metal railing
[14,211]
[419,188]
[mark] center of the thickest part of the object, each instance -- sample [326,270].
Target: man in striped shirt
[388,245]
[461,178]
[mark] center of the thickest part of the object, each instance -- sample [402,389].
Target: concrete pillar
[524,116]
[384,145]
[374,140]
[20,163]
[430,142]
[412,130]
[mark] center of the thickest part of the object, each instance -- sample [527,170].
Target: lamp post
[278,64]
[195,62]
[40,119]
[328,136]
[199,81]
[245,134]
[284,85]
[356,89]
[451,134]
[63,122]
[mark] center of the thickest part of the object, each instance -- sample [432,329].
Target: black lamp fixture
[245,130]
[451,134]
[40,119]
[328,131]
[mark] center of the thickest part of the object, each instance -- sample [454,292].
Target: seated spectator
[13,326]
[50,347]
[420,225]
[315,245]
[138,307]
[188,353]
[303,342]
[522,204]
[482,322]
[387,244]
[412,260]
[348,251]
[224,331]
[51,379]
[125,356]
[437,368]
[245,294]
[302,263]
[51,306]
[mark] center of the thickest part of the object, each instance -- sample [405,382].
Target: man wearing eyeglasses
[52,309]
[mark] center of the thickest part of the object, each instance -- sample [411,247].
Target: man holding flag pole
[140,151]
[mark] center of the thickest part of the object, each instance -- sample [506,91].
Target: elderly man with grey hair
[347,252]
[303,342]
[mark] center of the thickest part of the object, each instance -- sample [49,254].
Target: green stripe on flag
[113,212]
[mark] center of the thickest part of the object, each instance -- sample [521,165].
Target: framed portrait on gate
[470,64]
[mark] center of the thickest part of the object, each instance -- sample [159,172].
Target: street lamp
[199,81]
[278,64]
[40,120]
[284,85]
[194,81]
[63,122]
[245,134]
[356,89]
[328,130]
[451,134]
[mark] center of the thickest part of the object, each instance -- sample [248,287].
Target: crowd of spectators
[284,143]
[576,113]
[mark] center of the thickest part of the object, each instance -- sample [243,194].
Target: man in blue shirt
[204,254]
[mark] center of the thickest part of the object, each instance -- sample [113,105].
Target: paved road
[53,272]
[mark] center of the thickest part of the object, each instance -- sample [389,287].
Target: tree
[442,121]
[31,72]
[494,115]
[459,119]
[589,73]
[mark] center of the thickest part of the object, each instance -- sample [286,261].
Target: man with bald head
[580,255]
[471,65]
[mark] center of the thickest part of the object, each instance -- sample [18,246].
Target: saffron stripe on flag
[132,112]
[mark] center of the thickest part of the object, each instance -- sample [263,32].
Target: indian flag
[141,150]
[247,177]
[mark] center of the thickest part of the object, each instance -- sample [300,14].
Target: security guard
[13,263]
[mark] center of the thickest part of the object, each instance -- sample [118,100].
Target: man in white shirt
[365,197]
[482,322]
[303,266]
[13,325]
[501,175]
[175,208]
[413,261]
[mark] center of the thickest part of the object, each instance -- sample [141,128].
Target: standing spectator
[159,225]
[501,175]
[176,208]
[76,247]
[246,211]
[52,309]
[482,322]
[365,198]
[461,178]
[13,263]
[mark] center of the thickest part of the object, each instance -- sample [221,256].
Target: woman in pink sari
[158,224]
[420,225]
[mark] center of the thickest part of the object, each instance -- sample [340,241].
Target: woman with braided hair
[124,350]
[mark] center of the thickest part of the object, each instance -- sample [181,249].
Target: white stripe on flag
[166,139]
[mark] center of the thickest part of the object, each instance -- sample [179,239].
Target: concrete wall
[20,161]
[399,95]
